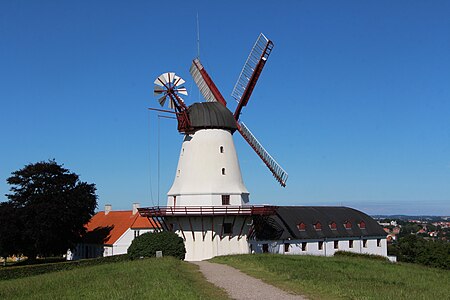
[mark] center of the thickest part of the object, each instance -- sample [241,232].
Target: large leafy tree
[10,241]
[52,206]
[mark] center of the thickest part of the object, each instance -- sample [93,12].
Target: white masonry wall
[207,244]
[312,247]
[208,168]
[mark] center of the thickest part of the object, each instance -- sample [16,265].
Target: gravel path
[239,285]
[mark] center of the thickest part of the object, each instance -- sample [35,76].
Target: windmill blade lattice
[169,85]
[205,84]
[278,172]
[251,71]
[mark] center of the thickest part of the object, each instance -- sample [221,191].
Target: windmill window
[225,199]
[227,228]
[333,226]
[348,225]
[350,244]
[320,245]
[365,243]
[336,244]
[301,226]
[362,225]
[378,242]
[304,246]
[286,247]
[221,149]
[318,226]
[223,171]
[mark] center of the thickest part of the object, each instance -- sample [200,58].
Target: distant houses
[111,233]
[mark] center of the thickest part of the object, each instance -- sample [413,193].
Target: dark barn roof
[211,115]
[301,223]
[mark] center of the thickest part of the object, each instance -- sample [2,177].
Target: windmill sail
[278,172]
[250,72]
[207,87]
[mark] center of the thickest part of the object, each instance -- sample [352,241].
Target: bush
[147,244]
[14,272]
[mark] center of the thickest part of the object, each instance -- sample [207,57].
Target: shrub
[147,244]
[14,272]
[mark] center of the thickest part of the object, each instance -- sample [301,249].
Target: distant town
[428,227]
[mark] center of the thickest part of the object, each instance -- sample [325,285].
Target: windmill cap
[211,115]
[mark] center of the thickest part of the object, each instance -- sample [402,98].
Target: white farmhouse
[111,233]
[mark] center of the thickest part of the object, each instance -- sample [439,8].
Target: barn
[317,230]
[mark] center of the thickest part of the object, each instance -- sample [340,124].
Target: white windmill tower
[208,197]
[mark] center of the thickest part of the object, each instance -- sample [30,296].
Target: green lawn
[344,277]
[165,278]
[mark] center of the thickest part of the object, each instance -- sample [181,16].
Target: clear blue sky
[354,101]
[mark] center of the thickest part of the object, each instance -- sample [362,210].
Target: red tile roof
[119,221]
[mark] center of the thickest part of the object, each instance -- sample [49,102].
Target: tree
[10,240]
[52,205]
[415,249]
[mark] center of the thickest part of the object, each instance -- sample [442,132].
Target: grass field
[165,278]
[344,277]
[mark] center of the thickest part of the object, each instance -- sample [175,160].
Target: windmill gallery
[208,203]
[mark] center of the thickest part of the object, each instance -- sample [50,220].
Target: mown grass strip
[344,277]
[165,278]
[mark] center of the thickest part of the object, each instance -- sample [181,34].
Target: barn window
[265,248]
[286,247]
[227,228]
[304,246]
[362,225]
[378,242]
[225,199]
[318,226]
[301,226]
[136,233]
[221,149]
[223,171]
[333,226]
[336,244]
[350,244]
[364,243]
[348,225]
[320,245]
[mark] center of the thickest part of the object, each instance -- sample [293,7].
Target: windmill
[207,204]
[170,86]
[241,93]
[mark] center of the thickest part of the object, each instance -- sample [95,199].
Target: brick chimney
[135,207]
[108,208]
